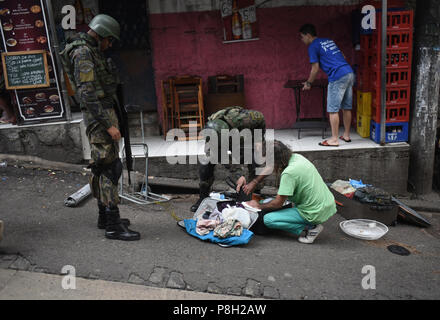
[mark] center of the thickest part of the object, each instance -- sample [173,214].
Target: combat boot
[102,218]
[115,229]
[204,193]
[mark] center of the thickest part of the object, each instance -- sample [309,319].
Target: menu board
[24,28]
[25,69]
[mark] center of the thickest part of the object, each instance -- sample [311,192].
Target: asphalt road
[42,235]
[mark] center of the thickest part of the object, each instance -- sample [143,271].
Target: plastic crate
[402,39]
[395,58]
[395,132]
[394,95]
[363,125]
[364,79]
[397,20]
[395,77]
[365,59]
[366,42]
[395,113]
[364,102]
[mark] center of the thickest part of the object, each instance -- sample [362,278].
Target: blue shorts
[340,94]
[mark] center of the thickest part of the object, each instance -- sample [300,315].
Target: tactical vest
[106,79]
[240,118]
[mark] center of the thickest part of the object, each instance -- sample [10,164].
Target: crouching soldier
[228,119]
[95,82]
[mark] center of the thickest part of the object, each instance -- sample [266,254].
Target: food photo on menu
[24,28]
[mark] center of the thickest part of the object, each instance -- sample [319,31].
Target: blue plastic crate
[395,132]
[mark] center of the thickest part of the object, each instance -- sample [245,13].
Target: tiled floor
[309,141]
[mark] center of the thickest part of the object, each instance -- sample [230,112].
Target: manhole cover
[401,251]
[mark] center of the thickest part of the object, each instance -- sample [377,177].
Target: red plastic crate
[394,95]
[365,59]
[395,40]
[366,42]
[396,58]
[395,77]
[364,79]
[397,20]
[395,113]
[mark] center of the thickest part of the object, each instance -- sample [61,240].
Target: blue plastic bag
[358,184]
[245,237]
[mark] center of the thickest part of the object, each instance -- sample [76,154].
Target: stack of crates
[398,75]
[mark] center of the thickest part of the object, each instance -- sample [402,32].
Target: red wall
[191,44]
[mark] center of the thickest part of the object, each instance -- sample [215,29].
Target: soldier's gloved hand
[114,133]
[240,183]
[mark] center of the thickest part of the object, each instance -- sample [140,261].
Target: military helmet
[217,125]
[106,26]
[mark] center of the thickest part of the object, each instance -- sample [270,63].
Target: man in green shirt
[300,183]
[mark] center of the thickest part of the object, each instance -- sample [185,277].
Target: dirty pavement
[42,236]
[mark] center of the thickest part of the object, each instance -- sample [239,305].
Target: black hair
[308,29]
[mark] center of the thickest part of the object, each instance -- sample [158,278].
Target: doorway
[133,54]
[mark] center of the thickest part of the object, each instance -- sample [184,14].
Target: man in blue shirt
[325,54]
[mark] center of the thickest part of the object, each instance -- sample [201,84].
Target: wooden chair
[188,104]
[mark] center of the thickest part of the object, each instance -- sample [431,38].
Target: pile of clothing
[227,224]
[377,198]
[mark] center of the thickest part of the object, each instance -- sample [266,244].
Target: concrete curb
[24,285]
[36,162]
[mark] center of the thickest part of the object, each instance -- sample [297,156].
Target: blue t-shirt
[330,58]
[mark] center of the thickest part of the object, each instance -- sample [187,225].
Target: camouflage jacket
[240,118]
[93,78]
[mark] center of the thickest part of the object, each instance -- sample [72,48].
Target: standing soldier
[228,119]
[95,82]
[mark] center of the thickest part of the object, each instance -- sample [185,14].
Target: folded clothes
[204,226]
[229,228]
[244,238]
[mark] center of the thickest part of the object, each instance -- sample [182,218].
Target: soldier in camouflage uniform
[230,118]
[95,81]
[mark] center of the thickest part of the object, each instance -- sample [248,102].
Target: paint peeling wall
[190,43]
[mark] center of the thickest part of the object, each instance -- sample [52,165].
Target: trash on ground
[358,184]
[364,229]
[411,216]
[344,187]
[76,198]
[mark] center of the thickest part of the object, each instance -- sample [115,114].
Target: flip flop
[342,138]
[325,144]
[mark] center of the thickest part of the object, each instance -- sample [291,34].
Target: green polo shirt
[304,186]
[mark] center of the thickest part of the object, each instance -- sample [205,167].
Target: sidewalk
[23,285]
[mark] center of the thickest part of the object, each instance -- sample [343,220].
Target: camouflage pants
[104,151]
[206,172]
